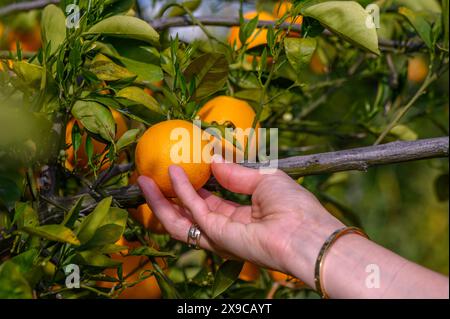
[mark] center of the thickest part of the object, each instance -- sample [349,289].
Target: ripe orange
[145,216]
[417,69]
[317,66]
[259,36]
[150,91]
[283,7]
[132,267]
[285,280]
[99,147]
[233,113]
[250,272]
[30,41]
[173,142]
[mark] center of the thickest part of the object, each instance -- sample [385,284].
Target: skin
[284,229]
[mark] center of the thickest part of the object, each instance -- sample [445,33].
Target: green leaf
[150,252]
[146,72]
[12,283]
[131,109]
[422,5]
[76,139]
[130,137]
[138,95]
[115,7]
[72,215]
[29,265]
[419,23]
[31,74]
[210,71]
[105,69]
[109,230]
[89,147]
[112,248]
[348,20]
[125,27]
[96,259]
[25,216]
[247,29]
[94,220]
[9,192]
[167,288]
[53,26]
[129,49]
[299,52]
[403,133]
[95,118]
[192,5]
[57,233]
[227,274]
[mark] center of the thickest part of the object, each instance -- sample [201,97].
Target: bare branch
[362,158]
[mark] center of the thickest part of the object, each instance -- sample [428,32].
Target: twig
[112,172]
[421,91]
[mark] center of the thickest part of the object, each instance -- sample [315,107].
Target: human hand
[283,229]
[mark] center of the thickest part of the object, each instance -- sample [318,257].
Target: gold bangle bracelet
[323,251]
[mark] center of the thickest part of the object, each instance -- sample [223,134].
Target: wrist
[306,248]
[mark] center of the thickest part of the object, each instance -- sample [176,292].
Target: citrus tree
[90,92]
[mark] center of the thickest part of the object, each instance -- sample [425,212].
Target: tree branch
[347,160]
[362,158]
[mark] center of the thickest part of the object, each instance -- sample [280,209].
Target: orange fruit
[173,142]
[150,91]
[317,66]
[283,7]
[233,113]
[99,147]
[30,41]
[145,216]
[285,280]
[258,37]
[249,272]
[417,69]
[132,267]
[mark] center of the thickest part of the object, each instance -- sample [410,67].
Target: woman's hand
[283,229]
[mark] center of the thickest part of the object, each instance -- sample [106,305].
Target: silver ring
[194,234]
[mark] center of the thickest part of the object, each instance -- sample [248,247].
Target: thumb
[234,177]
